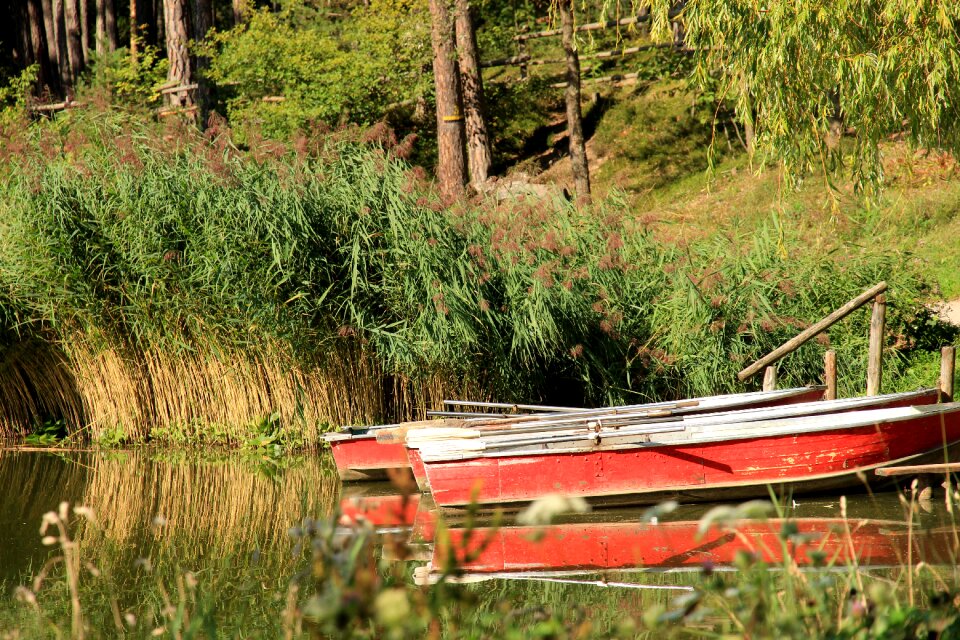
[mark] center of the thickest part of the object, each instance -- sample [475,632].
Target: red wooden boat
[360,456]
[691,461]
[596,547]
[702,406]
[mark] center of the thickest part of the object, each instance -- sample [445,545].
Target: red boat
[595,547]
[695,461]
[359,455]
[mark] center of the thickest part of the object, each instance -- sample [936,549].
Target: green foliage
[47,433]
[325,72]
[200,244]
[128,83]
[13,95]
[805,72]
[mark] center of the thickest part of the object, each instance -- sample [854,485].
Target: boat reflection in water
[610,544]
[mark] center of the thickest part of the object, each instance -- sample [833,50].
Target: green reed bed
[170,279]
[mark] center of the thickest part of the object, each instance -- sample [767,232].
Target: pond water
[227,519]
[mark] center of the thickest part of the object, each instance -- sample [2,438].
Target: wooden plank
[793,344]
[525,59]
[906,470]
[830,374]
[180,89]
[875,359]
[770,378]
[947,361]
[594,26]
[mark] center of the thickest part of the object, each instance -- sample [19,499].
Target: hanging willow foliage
[805,74]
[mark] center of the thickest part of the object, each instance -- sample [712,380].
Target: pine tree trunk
[159,13]
[50,37]
[451,161]
[578,150]
[101,30]
[63,60]
[38,44]
[74,37]
[134,32]
[478,141]
[202,23]
[175,25]
[238,11]
[110,23]
[86,17]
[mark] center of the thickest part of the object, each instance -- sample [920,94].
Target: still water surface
[230,515]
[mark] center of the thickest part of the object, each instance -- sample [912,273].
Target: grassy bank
[165,284]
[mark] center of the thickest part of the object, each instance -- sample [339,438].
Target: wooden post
[875,359]
[451,156]
[947,360]
[579,166]
[770,378]
[830,374]
[794,343]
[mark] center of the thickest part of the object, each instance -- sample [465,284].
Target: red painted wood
[380,511]
[671,545]
[419,471]
[748,464]
[365,453]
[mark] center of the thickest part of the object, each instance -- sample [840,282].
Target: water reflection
[194,507]
[875,532]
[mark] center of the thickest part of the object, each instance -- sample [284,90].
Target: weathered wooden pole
[830,374]
[794,343]
[875,358]
[770,378]
[947,360]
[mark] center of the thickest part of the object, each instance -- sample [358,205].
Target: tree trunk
[50,36]
[239,7]
[478,141]
[101,30]
[74,37]
[85,19]
[578,150]
[63,60]
[202,23]
[175,25]
[134,32]
[38,45]
[159,12]
[451,161]
[110,23]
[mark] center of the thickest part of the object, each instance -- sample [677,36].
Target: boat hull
[361,457]
[728,469]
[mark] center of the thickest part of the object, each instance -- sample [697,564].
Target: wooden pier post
[830,374]
[770,378]
[875,359]
[947,359]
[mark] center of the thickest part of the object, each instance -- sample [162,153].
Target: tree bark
[63,59]
[74,37]
[50,37]
[134,32]
[175,25]
[451,161]
[38,44]
[85,19]
[110,22]
[239,9]
[478,141]
[578,150]
[101,30]
[202,23]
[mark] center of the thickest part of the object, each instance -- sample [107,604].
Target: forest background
[235,221]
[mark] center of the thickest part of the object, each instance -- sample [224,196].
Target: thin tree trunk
[159,12]
[63,60]
[451,161]
[175,25]
[202,23]
[38,45]
[134,32]
[50,37]
[74,37]
[239,7]
[578,150]
[101,24]
[478,141]
[85,19]
[110,24]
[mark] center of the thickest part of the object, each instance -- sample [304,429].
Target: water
[226,519]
